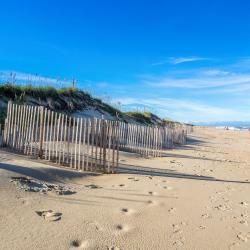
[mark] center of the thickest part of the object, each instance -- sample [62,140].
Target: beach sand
[195,197]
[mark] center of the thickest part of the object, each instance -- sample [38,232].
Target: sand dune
[195,197]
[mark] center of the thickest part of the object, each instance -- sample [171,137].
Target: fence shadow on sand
[168,173]
[48,174]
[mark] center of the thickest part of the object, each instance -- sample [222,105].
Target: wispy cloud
[186,110]
[202,79]
[26,78]
[179,60]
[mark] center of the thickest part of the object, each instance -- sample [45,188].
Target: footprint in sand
[152,193]
[167,187]
[127,211]
[176,228]
[151,203]
[244,204]
[172,210]
[206,216]
[223,207]
[50,215]
[124,210]
[244,222]
[113,248]
[121,228]
[243,237]
[121,185]
[79,244]
[244,216]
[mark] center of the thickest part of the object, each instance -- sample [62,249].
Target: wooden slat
[61,131]
[51,135]
[42,116]
[64,139]
[46,153]
[76,143]
[68,141]
[72,143]
[92,142]
[37,131]
[88,140]
[80,144]
[58,123]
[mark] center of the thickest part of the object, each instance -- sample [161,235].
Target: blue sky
[188,60]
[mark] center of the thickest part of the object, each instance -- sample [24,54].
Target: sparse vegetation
[64,99]
[67,100]
[141,117]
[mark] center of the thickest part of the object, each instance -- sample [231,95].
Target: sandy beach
[195,197]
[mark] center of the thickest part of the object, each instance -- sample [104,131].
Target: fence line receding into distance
[86,144]
[150,141]
[79,143]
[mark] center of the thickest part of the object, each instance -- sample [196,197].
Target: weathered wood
[72,142]
[26,124]
[68,141]
[7,124]
[41,138]
[57,136]
[88,136]
[80,144]
[64,139]
[20,128]
[47,134]
[84,143]
[92,142]
[61,131]
[17,127]
[51,133]
[53,154]
[32,128]
[76,142]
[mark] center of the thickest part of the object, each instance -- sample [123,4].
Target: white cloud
[186,110]
[201,80]
[25,78]
[178,60]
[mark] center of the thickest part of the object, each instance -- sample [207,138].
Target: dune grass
[16,92]
[76,97]
[142,117]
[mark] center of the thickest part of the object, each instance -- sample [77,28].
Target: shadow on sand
[47,174]
[149,171]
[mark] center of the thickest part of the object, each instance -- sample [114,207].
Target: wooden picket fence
[144,140]
[87,144]
[79,143]
[149,141]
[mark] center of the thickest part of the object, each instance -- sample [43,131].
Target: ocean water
[234,128]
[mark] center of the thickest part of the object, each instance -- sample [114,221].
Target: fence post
[41,132]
